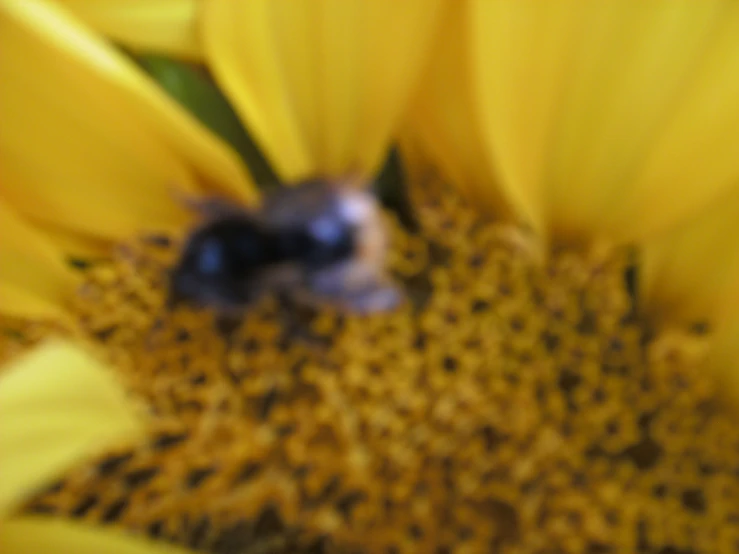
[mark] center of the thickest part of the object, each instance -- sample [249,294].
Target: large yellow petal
[444,120]
[321,83]
[87,142]
[613,118]
[57,405]
[692,272]
[35,281]
[40,535]
[164,26]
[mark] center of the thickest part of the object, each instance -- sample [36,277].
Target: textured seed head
[514,403]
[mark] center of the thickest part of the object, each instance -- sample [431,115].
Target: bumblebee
[317,243]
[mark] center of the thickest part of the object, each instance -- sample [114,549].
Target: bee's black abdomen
[219,261]
[246,247]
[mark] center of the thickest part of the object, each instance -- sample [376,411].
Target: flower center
[509,402]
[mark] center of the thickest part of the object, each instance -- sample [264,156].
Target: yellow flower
[58,406]
[570,279]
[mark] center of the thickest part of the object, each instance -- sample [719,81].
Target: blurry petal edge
[57,406]
[162,26]
[35,281]
[442,116]
[31,535]
[691,273]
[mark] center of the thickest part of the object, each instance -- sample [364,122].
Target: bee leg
[160,240]
[375,298]
[173,299]
[296,310]
[357,287]
[227,324]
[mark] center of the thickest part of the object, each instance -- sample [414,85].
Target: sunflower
[560,376]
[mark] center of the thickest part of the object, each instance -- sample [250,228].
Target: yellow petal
[321,83]
[692,272]
[35,281]
[442,116]
[613,118]
[19,302]
[722,362]
[57,405]
[163,26]
[74,244]
[87,142]
[417,163]
[39,535]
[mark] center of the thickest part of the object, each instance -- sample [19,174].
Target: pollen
[516,402]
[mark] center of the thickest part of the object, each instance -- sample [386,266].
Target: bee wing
[211,207]
[295,206]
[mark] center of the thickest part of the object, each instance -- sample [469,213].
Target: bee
[316,243]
